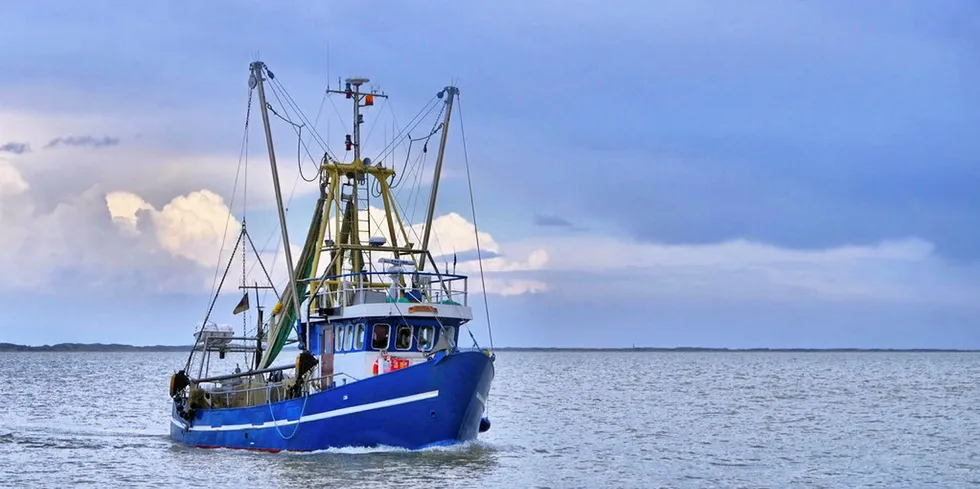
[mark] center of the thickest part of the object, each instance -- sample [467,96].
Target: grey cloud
[552,221]
[15,148]
[465,256]
[90,141]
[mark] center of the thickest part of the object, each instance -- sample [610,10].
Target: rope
[374,123]
[476,230]
[275,423]
[244,314]
[398,137]
[231,203]
[299,142]
[259,260]
[278,86]
[215,299]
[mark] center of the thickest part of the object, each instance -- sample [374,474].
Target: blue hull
[439,402]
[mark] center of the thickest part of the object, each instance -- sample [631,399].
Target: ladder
[364,217]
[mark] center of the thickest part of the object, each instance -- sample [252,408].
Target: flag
[242,304]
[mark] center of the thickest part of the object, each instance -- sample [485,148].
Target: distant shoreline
[115,347]
[90,347]
[695,349]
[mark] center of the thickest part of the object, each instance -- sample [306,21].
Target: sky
[676,173]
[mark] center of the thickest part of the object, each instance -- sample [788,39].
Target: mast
[357,172]
[256,79]
[358,177]
[451,92]
[258,331]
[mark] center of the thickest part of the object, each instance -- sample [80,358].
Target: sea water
[560,419]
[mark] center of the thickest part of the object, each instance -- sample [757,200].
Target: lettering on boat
[414,309]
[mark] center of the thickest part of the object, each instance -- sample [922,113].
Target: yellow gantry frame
[349,240]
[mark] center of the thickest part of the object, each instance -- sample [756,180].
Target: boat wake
[469,447]
[34,436]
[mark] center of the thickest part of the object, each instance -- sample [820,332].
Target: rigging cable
[241,156]
[374,123]
[425,147]
[299,143]
[420,159]
[215,299]
[278,87]
[476,230]
[259,260]
[245,315]
[408,153]
[400,136]
[324,98]
[224,234]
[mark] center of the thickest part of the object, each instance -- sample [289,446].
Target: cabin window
[450,334]
[348,336]
[379,340]
[338,339]
[359,336]
[425,337]
[403,338]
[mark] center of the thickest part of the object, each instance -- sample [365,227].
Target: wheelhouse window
[338,339]
[426,333]
[359,336]
[348,336]
[403,338]
[450,334]
[379,338]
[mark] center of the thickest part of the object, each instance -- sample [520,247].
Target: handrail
[438,290]
[435,296]
[444,277]
[332,377]
[280,384]
[242,374]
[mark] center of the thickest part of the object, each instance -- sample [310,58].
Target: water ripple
[561,420]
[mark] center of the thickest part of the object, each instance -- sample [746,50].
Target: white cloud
[93,237]
[58,218]
[896,271]
[506,287]
[11,181]
[192,226]
[102,237]
[146,161]
[452,233]
[97,239]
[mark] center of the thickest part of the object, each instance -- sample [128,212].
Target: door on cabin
[326,357]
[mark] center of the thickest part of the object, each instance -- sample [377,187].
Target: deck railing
[376,287]
[237,396]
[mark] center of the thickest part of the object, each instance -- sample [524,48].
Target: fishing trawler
[376,331]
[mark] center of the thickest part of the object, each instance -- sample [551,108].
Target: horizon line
[115,346]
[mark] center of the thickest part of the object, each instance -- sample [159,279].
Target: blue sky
[673,173]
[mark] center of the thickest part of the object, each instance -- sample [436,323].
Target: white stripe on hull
[313,417]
